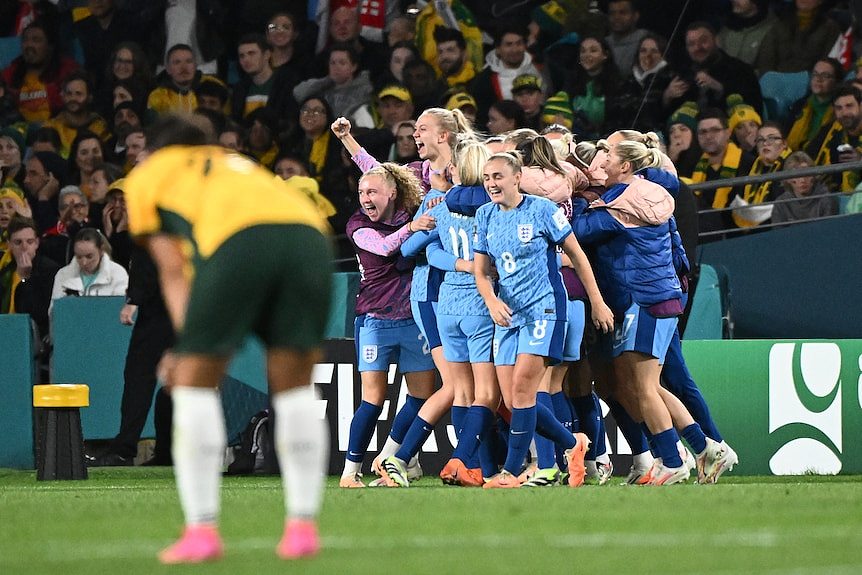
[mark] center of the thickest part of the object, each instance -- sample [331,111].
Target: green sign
[786,407]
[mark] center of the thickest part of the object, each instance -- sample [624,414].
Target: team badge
[525,232]
[369,353]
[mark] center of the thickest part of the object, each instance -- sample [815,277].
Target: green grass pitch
[115,522]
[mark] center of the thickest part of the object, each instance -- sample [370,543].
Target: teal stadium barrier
[16,383]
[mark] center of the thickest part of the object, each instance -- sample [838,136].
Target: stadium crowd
[325,91]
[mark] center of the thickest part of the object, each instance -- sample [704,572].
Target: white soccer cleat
[722,460]
[637,475]
[414,470]
[661,475]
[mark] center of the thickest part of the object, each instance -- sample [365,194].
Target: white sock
[642,460]
[199,440]
[351,468]
[390,448]
[603,458]
[302,445]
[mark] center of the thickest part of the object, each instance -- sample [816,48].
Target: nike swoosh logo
[535,342]
[353,453]
[513,432]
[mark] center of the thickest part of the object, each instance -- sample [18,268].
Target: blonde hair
[519,136]
[512,159]
[454,122]
[585,152]
[650,139]
[539,152]
[639,155]
[562,146]
[406,184]
[471,158]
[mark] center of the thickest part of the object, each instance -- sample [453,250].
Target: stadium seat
[10,48]
[780,90]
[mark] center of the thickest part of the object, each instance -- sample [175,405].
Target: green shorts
[274,281]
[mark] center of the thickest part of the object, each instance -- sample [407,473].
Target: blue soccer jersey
[426,282]
[458,293]
[521,242]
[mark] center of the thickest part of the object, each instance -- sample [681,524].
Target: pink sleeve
[379,244]
[364,160]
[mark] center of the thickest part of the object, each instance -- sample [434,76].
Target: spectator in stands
[212,94]
[456,16]
[801,37]
[345,87]
[34,78]
[100,32]
[558,110]
[841,141]
[232,136]
[464,102]
[127,118]
[287,165]
[136,142]
[12,203]
[282,32]
[745,29]
[76,115]
[74,212]
[86,152]
[344,28]
[721,159]
[711,74]
[507,61]
[455,68]
[91,272]
[261,128]
[772,151]
[639,101]
[176,90]
[527,93]
[26,275]
[682,145]
[101,180]
[12,148]
[399,55]
[404,149]
[45,140]
[129,67]
[46,174]
[743,121]
[625,36]
[401,29]
[393,106]
[595,79]
[323,154]
[426,89]
[804,197]
[260,85]
[504,116]
[814,111]
[115,224]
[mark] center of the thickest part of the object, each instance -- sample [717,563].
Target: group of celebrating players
[483,262]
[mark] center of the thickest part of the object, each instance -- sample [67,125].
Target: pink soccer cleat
[300,539]
[198,544]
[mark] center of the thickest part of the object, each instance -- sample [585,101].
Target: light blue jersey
[458,294]
[425,285]
[521,242]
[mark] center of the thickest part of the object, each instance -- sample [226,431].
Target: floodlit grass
[117,520]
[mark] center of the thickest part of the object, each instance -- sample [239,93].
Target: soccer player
[385,329]
[519,234]
[466,330]
[229,240]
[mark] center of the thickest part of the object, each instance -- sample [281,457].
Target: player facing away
[519,234]
[229,240]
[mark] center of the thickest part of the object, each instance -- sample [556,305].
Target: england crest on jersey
[369,353]
[525,232]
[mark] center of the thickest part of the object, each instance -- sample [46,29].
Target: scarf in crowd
[317,156]
[729,167]
[814,115]
[372,18]
[754,194]
[8,277]
[834,138]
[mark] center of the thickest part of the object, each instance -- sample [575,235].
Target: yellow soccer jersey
[206,194]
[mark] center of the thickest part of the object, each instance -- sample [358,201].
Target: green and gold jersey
[206,194]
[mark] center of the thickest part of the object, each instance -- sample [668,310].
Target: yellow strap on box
[61,395]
